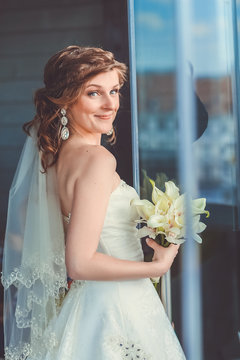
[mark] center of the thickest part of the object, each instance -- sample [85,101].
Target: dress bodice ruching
[119,234]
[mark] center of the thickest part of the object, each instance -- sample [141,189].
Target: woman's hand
[163,256]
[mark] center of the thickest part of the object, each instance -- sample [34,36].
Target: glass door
[216,157]
[187,120]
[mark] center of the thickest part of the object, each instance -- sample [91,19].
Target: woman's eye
[114,91]
[93,93]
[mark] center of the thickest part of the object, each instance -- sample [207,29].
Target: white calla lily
[146,231]
[144,208]
[156,221]
[201,227]
[179,219]
[156,193]
[195,223]
[166,215]
[162,205]
[179,202]
[172,235]
[172,191]
[178,210]
[198,207]
[198,227]
[197,238]
[176,240]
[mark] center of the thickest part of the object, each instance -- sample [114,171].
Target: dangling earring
[110,132]
[64,121]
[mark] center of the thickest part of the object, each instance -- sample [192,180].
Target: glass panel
[216,158]
[155,49]
[214,72]
[157,112]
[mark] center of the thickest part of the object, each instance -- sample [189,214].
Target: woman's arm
[92,190]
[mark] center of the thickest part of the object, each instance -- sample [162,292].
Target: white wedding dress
[113,320]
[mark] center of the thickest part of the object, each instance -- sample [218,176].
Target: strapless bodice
[119,234]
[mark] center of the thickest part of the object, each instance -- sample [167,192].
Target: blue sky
[156,36]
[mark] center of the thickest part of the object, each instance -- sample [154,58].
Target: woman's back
[73,165]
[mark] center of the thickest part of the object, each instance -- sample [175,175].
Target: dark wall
[30,32]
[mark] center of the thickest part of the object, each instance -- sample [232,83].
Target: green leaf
[161,178]
[146,189]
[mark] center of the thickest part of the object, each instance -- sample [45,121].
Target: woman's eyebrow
[99,86]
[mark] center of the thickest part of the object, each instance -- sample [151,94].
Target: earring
[110,132]
[64,121]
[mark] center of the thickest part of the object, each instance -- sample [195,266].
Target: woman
[111,310]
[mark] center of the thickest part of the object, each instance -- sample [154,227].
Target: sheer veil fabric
[34,273]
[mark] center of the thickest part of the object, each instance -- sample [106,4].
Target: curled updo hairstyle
[64,76]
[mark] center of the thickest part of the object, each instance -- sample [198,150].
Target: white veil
[34,272]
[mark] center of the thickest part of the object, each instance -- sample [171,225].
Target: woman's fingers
[164,256]
[151,243]
[175,246]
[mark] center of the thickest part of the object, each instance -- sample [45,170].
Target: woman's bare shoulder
[94,155]
[82,167]
[90,160]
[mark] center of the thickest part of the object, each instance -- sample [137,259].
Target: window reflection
[156,58]
[214,149]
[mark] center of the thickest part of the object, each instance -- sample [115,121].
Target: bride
[70,216]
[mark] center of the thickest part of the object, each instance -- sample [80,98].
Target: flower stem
[160,240]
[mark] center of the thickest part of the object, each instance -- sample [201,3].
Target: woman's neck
[86,139]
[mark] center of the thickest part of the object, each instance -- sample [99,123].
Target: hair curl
[64,76]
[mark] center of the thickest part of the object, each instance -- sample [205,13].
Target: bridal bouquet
[163,218]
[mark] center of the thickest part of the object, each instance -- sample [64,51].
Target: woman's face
[97,105]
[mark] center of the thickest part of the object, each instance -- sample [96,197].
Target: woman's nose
[109,102]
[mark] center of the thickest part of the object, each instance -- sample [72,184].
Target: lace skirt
[112,320]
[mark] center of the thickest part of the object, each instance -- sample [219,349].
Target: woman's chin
[106,130]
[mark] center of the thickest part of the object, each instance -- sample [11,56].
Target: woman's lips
[105,117]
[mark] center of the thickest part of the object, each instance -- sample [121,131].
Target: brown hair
[64,76]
